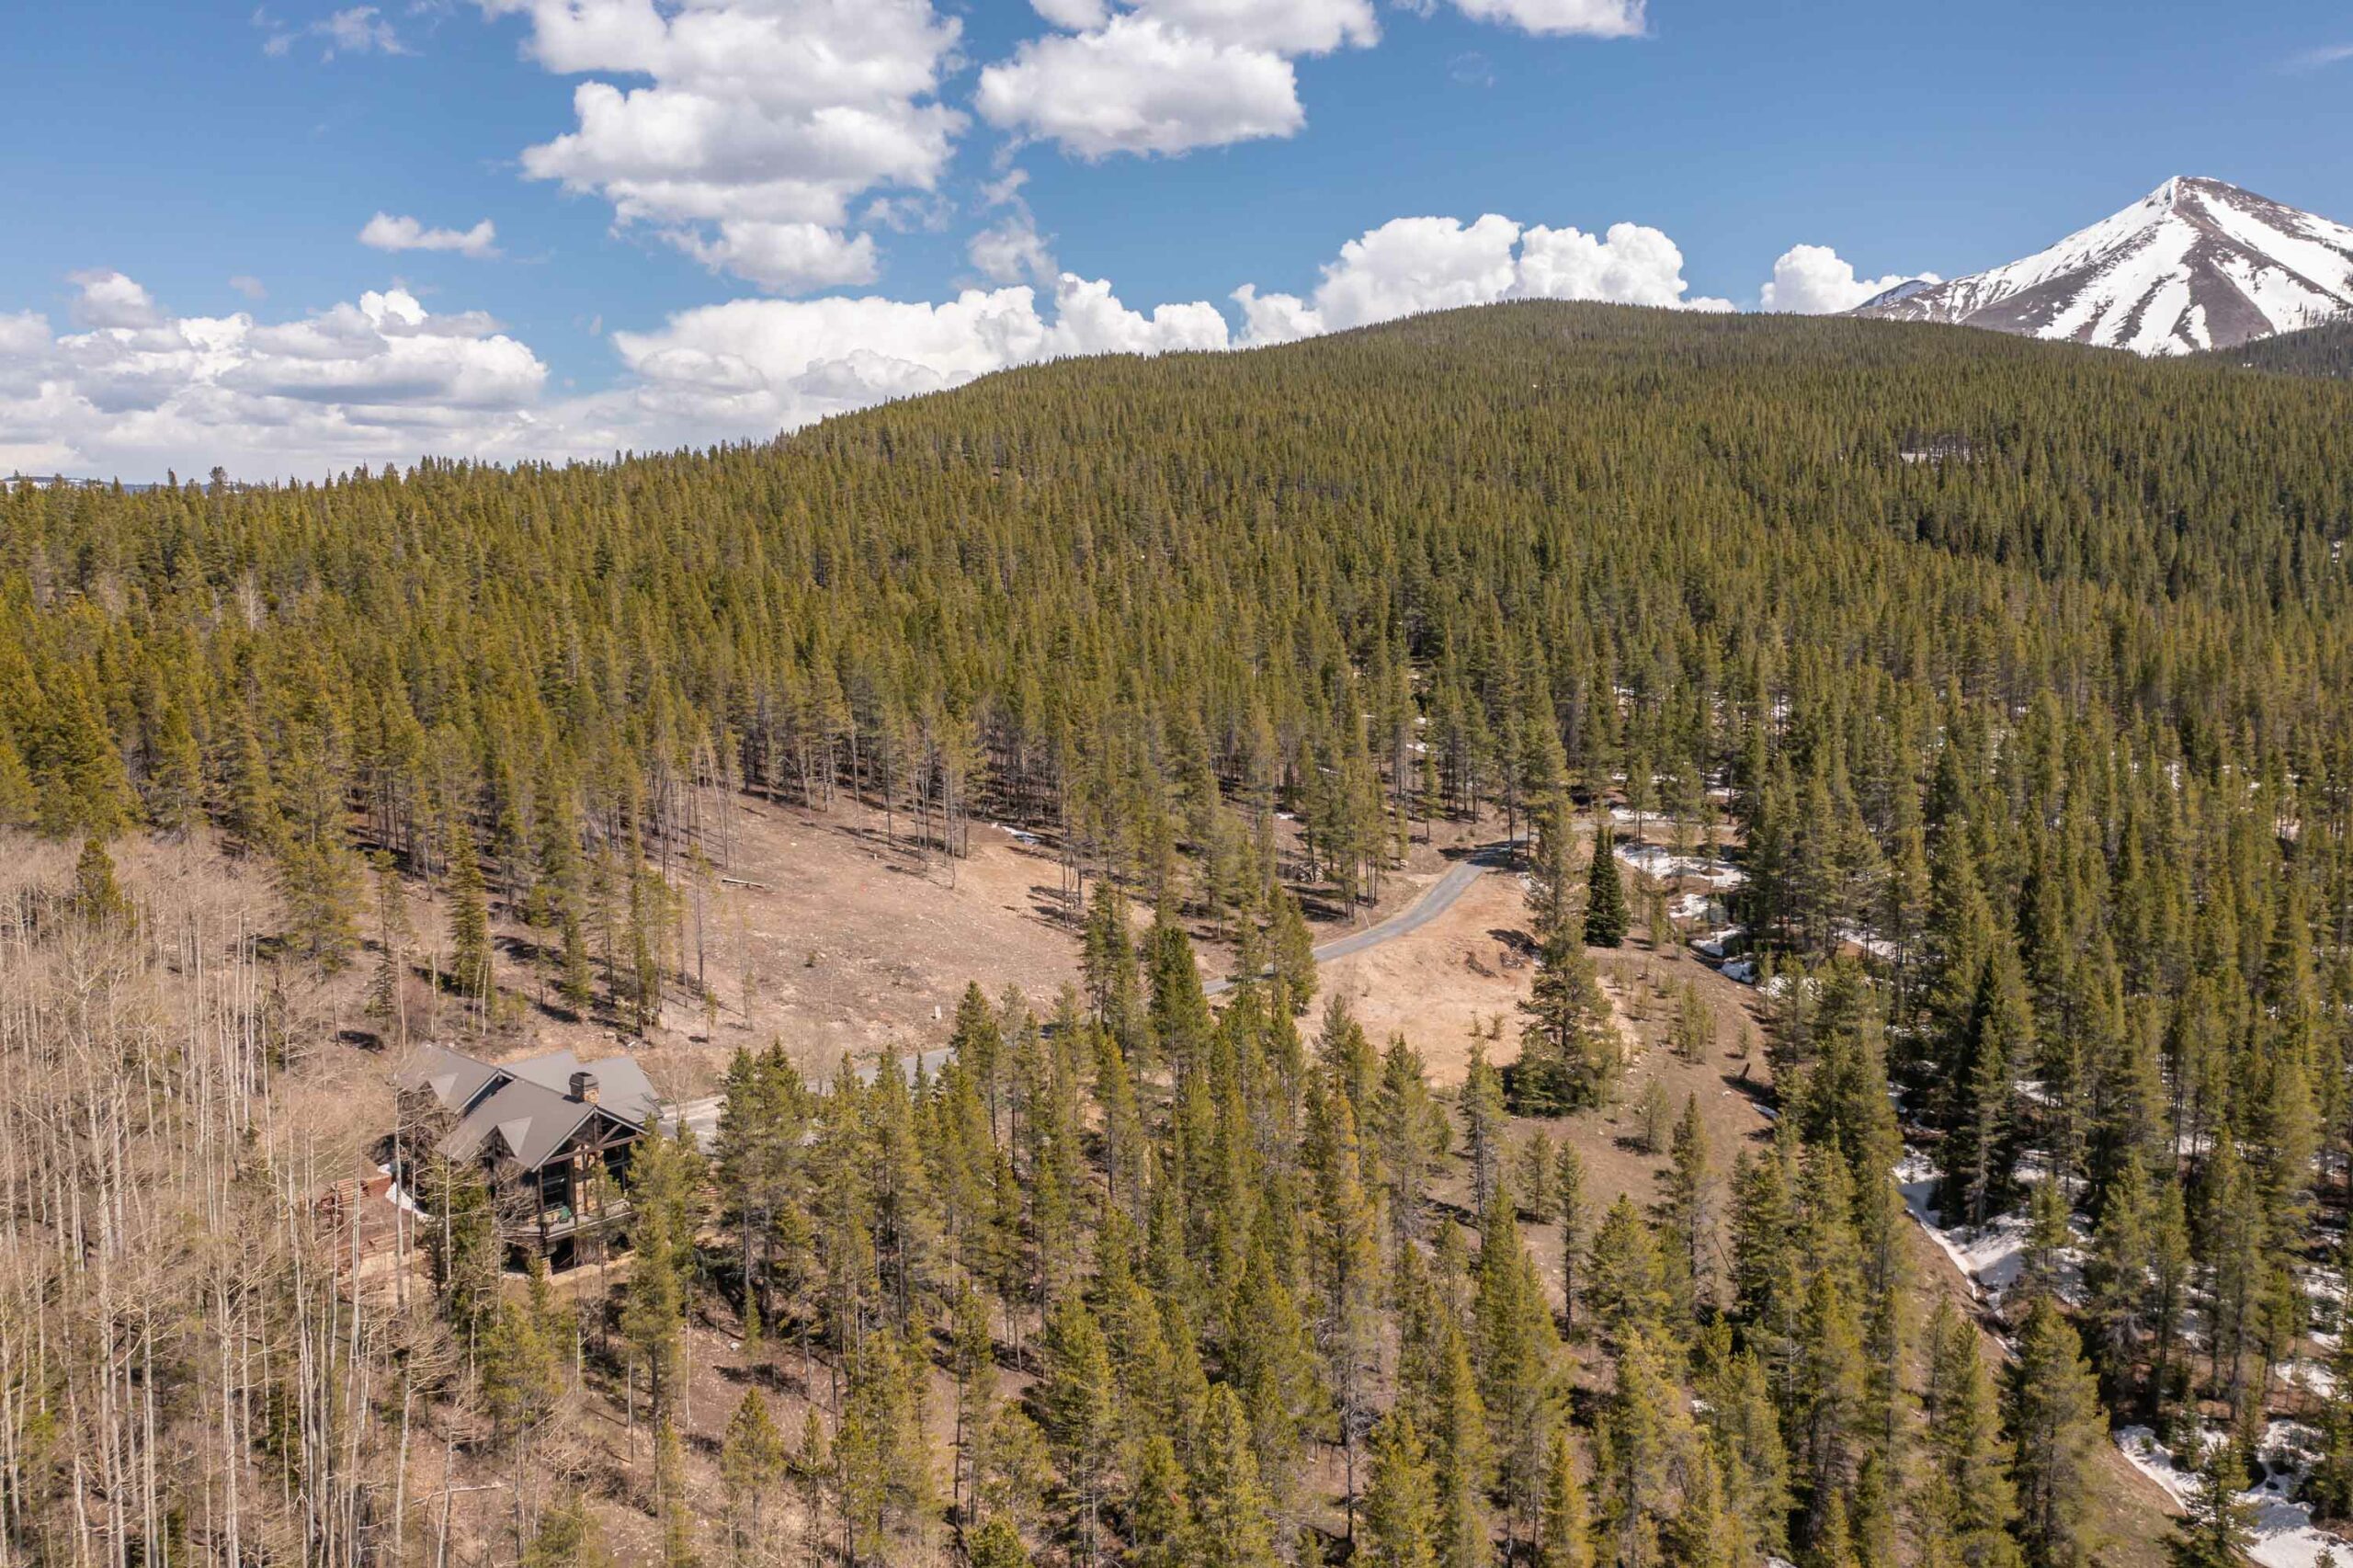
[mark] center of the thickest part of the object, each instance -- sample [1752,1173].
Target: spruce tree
[1232,1519]
[2053,1414]
[752,1465]
[1516,1348]
[1400,1500]
[1967,1505]
[469,960]
[98,897]
[1605,898]
[1481,1103]
[2216,1527]
[1080,1419]
[1294,952]
[387,1001]
[1565,1539]
[996,1544]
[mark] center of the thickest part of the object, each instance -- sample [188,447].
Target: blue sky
[665,286]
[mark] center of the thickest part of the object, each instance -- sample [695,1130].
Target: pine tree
[1480,1102]
[1345,1249]
[2052,1409]
[19,804]
[672,1505]
[1080,1419]
[1969,1505]
[2217,1528]
[880,1454]
[1294,952]
[98,897]
[1410,1135]
[1516,1346]
[1831,1387]
[568,1538]
[813,1475]
[470,961]
[1231,1526]
[663,1185]
[2048,1237]
[1569,1206]
[1745,1429]
[996,1544]
[1401,1499]
[752,1466]
[1566,1538]
[1626,1290]
[1551,870]
[1160,1512]
[1997,1037]
[1686,1210]
[1604,897]
[1568,1052]
[2116,1282]
[386,1000]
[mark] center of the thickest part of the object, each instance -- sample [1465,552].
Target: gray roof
[528,1104]
[454,1079]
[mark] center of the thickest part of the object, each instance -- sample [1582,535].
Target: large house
[541,1129]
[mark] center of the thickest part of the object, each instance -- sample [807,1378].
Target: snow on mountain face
[2198,263]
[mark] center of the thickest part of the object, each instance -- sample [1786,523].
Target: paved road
[703,1115]
[1412,918]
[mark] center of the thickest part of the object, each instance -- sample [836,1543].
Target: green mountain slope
[2012,678]
[2323,350]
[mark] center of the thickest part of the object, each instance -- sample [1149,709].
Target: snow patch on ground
[1717,943]
[1655,861]
[1992,1256]
[2285,1536]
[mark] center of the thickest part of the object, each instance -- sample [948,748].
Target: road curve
[1436,900]
[702,1115]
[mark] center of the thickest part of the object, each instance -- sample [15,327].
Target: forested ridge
[2323,350]
[2014,673]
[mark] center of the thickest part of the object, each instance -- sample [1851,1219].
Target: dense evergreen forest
[2014,673]
[2323,350]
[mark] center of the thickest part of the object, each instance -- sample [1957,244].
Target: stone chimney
[583,1086]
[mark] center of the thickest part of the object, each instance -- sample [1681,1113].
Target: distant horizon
[200,478]
[317,235]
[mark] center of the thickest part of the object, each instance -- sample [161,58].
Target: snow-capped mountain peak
[2196,263]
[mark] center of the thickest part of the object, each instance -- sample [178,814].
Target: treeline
[2323,350]
[1147,604]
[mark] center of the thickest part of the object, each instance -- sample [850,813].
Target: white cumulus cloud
[752,367]
[1011,251]
[744,124]
[1815,280]
[1165,77]
[1410,265]
[139,389]
[108,298]
[386,231]
[790,258]
[1139,85]
[1590,18]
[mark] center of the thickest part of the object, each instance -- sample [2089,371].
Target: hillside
[2325,351]
[1983,698]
